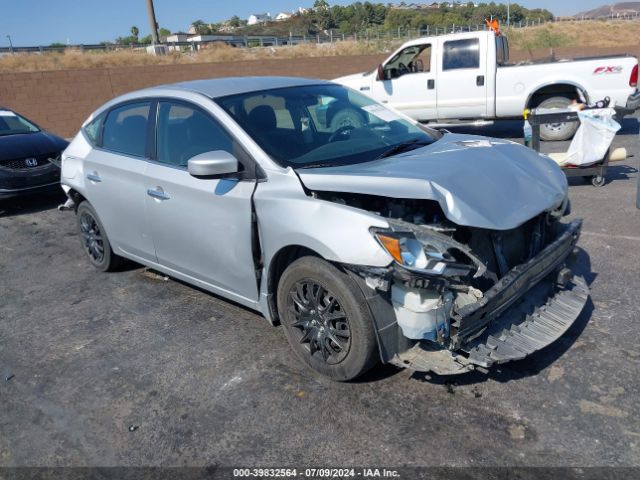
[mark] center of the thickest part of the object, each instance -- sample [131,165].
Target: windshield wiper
[316,165]
[405,147]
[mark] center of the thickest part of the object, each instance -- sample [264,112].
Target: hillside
[587,34]
[622,8]
[361,17]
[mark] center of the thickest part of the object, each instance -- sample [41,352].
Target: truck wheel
[347,117]
[557,131]
[94,240]
[326,319]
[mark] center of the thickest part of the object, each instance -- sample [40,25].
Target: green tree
[164,32]
[134,31]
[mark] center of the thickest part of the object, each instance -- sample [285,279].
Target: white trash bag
[593,138]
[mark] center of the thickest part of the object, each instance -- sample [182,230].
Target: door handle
[158,193]
[431,84]
[480,80]
[94,177]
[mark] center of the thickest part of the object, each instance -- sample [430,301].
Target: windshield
[323,125]
[11,123]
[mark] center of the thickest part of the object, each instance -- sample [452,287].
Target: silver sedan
[366,235]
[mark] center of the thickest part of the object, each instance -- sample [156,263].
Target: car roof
[222,87]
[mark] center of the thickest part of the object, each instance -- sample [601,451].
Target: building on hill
[256,18]
[283,16]
[177,37]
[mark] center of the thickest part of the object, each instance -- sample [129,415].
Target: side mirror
[380,75]
[212,164]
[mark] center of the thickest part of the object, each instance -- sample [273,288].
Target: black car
[25,150]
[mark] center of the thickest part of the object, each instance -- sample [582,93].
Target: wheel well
[279,263]
[76,197]
[557,90]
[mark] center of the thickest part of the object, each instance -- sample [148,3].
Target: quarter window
[93,129]
[461,54]
[184,132]
[125,129]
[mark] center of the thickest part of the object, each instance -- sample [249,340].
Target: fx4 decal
[605,70]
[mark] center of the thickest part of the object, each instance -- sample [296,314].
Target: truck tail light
[633,80]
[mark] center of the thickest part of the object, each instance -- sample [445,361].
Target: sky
[41,22]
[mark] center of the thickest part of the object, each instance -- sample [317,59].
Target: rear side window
[461,54]
[502,50]
[184,132]
[125,129]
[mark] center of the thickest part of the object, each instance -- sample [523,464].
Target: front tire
[326,319]
[557,131]
[94,241]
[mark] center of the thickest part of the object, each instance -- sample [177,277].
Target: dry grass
[587,34]
[593,33]
[76,59]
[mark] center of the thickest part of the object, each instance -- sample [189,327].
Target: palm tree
[135,32]
[199,26]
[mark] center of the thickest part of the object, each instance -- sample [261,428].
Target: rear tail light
[633,80]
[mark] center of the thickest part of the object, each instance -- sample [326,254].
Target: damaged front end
[457,298]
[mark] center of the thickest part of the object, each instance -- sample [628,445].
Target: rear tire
[94,241]
[326,319]
[557,131]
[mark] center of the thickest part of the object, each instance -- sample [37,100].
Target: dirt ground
[131,369]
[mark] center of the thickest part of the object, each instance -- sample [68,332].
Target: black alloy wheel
[91,237]
[94,240]
[326,319]
[320,320]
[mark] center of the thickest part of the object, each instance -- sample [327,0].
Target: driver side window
[414,59]
[184,132]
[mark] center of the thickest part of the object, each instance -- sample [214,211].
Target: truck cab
[466,78]
[438,77]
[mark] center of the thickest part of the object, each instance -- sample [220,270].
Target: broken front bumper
[530,325]
[532,306]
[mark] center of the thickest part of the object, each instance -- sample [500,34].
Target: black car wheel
[94,239]
[326,319]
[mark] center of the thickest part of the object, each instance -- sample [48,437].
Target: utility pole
[152,22]
[10,44]
[508,13]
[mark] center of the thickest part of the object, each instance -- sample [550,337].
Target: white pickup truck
[467,77]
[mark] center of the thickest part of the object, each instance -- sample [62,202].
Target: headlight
[409,252]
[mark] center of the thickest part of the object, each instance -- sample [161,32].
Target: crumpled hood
[478,182]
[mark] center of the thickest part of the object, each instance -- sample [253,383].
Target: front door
[409,83]
[462,79]
[201,227]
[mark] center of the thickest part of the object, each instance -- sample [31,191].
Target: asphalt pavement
[131,368]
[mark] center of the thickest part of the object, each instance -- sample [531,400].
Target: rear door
[410,82]
[462,78]
[114,177]
[201,226]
